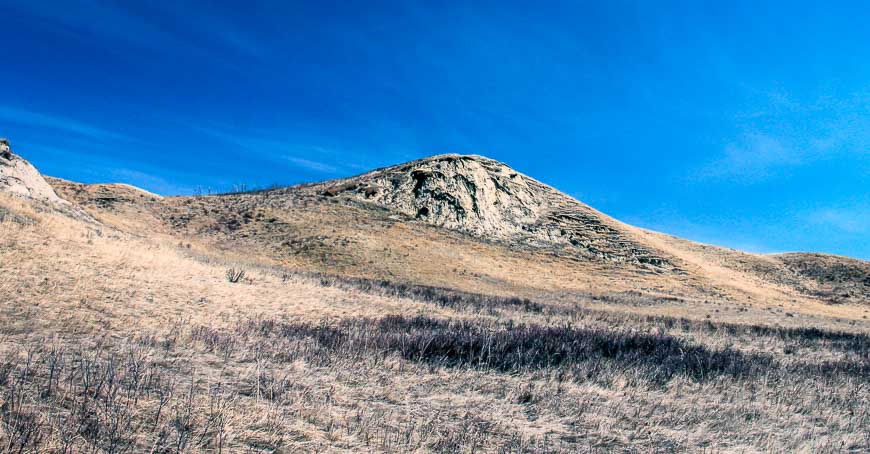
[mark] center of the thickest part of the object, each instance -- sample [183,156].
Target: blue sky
[741,124]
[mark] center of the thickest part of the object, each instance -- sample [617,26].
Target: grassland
[121,339]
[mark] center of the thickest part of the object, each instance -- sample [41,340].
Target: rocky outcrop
[19,177]
[5,150]
[488,199]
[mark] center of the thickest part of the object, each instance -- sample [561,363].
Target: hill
[449,304]
[486,198]
[473,224]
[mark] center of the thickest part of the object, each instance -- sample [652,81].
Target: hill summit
[489,199]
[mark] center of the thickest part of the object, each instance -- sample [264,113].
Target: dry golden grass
[65,269]
[292,361]
[298,231]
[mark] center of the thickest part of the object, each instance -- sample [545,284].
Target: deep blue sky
[741,124]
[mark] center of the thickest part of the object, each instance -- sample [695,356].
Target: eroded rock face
[472,194]
[486,198]
[19,177]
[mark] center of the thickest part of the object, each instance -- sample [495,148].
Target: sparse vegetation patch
[235,275]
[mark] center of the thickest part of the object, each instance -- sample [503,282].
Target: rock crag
[19,177]
[488,199]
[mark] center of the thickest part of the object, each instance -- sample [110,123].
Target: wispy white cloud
[313,165]
[789,134]
[27,117]
[274,149]
[89,20]
[126,26]
[855,220]
[218,28]
[79,163]
[754,156]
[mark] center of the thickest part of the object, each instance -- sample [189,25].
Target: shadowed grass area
[264,384]
[475,302]
[506,347]
[443,297]
[515,348]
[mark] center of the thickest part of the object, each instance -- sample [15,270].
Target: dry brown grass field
[339,318]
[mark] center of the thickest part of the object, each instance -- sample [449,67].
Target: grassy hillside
[126,341]
[312,319]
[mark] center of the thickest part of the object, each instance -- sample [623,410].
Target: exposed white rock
[488,199]
[17,176]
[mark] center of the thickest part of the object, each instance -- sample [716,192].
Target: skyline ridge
[424,160]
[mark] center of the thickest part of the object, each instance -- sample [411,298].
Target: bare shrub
[234,275]
[60,400]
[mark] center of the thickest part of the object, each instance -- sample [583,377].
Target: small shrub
[234,276]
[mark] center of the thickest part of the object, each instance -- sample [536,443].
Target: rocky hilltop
[488,199]
[19,177]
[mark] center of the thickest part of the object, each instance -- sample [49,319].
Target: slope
[121,332]
[473,224]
